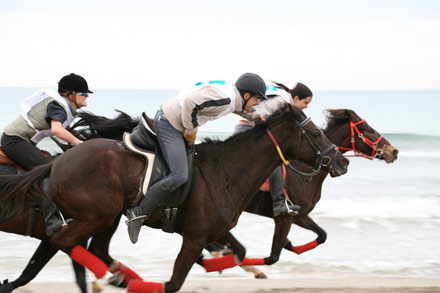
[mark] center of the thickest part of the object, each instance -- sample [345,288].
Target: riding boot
[49,209]
[281,205]
[137,215]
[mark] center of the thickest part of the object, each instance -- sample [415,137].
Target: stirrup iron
[136,218]
[289,204]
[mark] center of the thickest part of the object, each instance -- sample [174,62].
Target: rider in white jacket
[178,120]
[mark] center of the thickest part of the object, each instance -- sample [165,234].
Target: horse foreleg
[282,229]
[307,223]
[190,251]
[41,257]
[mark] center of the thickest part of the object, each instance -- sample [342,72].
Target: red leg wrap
[127,272]
[144,287]
[219,263]
[252,261]
[90,261]
[303,248]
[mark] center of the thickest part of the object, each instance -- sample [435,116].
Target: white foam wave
[420,153]
[373,208]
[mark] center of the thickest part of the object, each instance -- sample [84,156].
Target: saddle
[142,141]
[10,166]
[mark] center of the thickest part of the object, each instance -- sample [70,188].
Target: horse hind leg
[80,273]
[99,247]
[69,241]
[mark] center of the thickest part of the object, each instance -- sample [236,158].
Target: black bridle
[322,158]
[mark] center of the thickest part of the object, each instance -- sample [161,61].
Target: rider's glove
[190,137]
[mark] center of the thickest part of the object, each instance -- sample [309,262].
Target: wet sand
[343,285]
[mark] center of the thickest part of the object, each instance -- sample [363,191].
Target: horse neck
[340,135]
[247,161]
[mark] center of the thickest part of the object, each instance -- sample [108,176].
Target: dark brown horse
[350,133]
[94,182]
[31,220]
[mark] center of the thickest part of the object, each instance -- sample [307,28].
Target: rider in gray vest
[46,112]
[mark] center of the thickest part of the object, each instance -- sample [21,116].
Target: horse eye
[317,134]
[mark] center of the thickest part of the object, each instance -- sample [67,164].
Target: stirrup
[136,218]
[289,204]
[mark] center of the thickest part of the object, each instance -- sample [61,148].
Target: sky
[168,44]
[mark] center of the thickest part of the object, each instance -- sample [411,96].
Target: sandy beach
[343,285]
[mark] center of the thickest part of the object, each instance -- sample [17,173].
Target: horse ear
[352,115]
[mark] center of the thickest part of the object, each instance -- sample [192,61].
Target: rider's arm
[264,109]
[55,117]
[59,131]
[207,101]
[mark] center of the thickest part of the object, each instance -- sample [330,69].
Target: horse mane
[20,191]
[272,119]
[335,117]
[93,126]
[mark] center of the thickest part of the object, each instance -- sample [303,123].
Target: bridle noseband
[376,152]
[322,160]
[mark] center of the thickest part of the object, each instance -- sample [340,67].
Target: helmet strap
[245,102]
[74,102]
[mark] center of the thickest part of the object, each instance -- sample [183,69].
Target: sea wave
[376,208]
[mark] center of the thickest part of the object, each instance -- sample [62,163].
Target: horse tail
[19,191]
[99,126]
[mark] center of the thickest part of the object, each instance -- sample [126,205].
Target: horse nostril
[345,162]
[395,152]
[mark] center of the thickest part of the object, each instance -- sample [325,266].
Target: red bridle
[376,152]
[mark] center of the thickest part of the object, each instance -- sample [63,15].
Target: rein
[319,159]
[376,152]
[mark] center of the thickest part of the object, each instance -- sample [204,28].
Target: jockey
[179,118]
[45,113]
[299,96]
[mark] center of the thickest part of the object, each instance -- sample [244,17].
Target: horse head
[364,140]
[316,149]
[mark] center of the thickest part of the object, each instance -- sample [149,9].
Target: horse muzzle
[339,166]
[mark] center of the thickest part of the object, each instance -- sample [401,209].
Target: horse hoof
[260,275]
[117,280]
[98,285]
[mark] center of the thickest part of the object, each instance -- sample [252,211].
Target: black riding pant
[22,152]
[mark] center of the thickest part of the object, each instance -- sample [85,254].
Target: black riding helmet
[73,82]
[252,82]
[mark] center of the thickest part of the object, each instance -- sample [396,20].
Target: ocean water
[381,219]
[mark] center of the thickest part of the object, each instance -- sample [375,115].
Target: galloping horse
[350,133]
[32,222]
[94,182]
